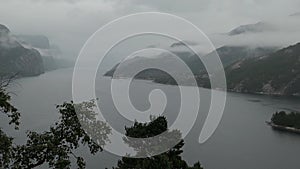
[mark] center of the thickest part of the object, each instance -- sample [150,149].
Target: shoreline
[283,128]
[228,90]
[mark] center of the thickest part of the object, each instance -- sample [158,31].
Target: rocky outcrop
[17,59]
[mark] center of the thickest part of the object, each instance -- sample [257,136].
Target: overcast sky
[68,23]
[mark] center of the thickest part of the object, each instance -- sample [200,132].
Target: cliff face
[17,59]
[42,45]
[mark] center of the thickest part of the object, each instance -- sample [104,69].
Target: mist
[69,23]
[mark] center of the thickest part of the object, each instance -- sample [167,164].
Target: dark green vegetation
[277,73]
[167,160]
[16,59]
[286,119]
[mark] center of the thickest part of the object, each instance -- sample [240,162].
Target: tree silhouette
[282,118]
[167,160]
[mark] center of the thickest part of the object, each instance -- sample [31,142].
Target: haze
[69,23]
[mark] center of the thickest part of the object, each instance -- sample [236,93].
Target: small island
[289,122]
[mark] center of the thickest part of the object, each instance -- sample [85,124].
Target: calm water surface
[242,140]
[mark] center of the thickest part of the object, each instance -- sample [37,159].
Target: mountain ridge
[228,55]
[274,74]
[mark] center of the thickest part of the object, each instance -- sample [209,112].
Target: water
[242,140]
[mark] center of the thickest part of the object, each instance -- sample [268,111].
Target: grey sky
[69,23]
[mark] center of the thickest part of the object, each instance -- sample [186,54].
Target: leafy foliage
[167,160]
[6,144]
[5,106]
[56,146]
[5,150]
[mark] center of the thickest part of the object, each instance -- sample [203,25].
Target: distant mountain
[51,54]
[277,73]
[42,44]
[183,43]
[228,55]
[251,28]
[231,54]
[37,41]
[16,58]
[248,70]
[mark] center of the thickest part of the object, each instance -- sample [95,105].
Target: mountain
[37,41]
[231,54]
[251,28]
[16,58]
[129,67]
[277,73]
[42,44]
[228,55]
[249,70]
[51,54]
[184,44]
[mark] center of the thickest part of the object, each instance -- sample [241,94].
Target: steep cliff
[17,59]
[42,44]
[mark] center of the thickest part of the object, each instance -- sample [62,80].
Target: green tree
[56,146]
[6,142]
[167,160]
[5,106]
[282,118]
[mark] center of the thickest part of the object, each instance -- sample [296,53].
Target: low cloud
[69,23]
